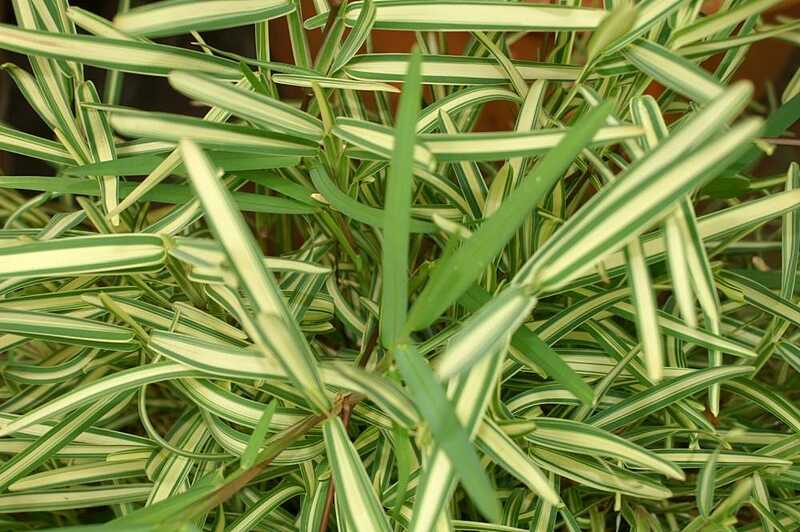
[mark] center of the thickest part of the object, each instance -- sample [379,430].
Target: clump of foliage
[331,314]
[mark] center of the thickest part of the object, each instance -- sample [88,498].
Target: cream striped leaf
[559,326]
[768,400]
[97,25]
[648,14]
[619,22]
[178,320]
[271,501]
[514,77]
[235,443]
[703,282]
[439,15]
[749,214]
[171,163]
[33,146]
[544,513]
[496,146]
[492,325]
[171,127]
[645,112]
[173,472]
[530,116]
[237,362]
[790,354]
[378,139]
[675,327]
[738,44]
[361,505]
[527,346]
[35,374]
[57,437]
[582,242]
[699,458]
[761,297]
[72,498]
[114,54]
[355,39]
[706,484]
[264,111]
[473,187]
[658,397]
[51,76]
[673,71]
[168,193]
[374,141]
[790,238]
[325,82]
[30,89]
[468,98]
[82,451]
[721,20]
[146,163]
[276,329]
[576,437]
[65,329]
[82,255]
[92,391]
[173,17]
[504,451]
[216,400]
[453,70]
[81,474]
[385,394]
[205,253]
[101,142]
[645,315]
[602,476]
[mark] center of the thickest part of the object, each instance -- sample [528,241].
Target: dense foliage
[355,311]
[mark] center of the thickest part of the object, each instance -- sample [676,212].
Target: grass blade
[397,214]
[447,431]
[454,276]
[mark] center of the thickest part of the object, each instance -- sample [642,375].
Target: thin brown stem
[369,347]
[242,477]
[326,512]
